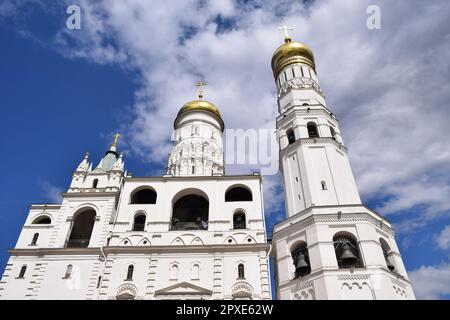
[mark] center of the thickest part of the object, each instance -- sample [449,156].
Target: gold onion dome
[290,53]
[200,105]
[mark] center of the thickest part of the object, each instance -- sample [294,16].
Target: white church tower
[330,246]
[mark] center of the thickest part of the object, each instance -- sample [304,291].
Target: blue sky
[131,68]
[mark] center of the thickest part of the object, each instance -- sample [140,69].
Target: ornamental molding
[339,219]
[299,83]
[355,277]
[127,290]
[242,289]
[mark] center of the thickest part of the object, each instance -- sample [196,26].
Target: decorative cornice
[141,249]
[299,83]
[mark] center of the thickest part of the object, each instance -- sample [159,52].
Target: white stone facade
[144,223]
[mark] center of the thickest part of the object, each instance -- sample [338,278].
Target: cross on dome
[201,84]
[286,30]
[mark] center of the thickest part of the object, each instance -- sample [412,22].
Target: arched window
[139,222]
[190,212]
[387,254]
[130,272]
[291,136]
[239,220]
[347,251]
[35,239]
[195,272]
[68,272]
[300,258]
[174,272]
[313,132]
[238,194]
[333,132]
[82,227]
[95,184]
[241,271]
[42,220]
[22,272]
[143,196]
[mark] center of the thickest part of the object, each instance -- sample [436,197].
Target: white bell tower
[198,141]
[330,246]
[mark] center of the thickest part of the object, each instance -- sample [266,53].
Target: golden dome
[289,53]
[201,105]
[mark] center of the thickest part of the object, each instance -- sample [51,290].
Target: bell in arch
[347,254]
[301,266]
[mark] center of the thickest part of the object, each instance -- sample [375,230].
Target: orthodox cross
[286,30]
[116,139]
[201,84]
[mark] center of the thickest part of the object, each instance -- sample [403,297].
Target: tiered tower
[330,246]
[198,146]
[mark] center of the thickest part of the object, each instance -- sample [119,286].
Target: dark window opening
[312,130]
[239,221]
[387,254]
[35,239]
[144,196]
[130,273]
[333,133]
[190,212]
[324,185]
[241,271]
[42,220]
[139,222]
[22,272]
[347,251]
[95,184]
[238,194]
[300,257]
[82,230]
[291,136]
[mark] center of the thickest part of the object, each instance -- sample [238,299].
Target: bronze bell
[347,254]
[389,263]
[301,262]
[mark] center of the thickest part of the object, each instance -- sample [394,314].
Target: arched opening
[35,239]
[95,184]
[300,258]
[144,196]
[139,222]
[347,251]
[190,212]
[82,227]
[68,271]
[22,272]
[239,220]
[238,194]
[42,220]
[130,273]
[387,254]
[241,271]
[195,272]
[313,132]
[174,272]
[291,136]
[333,133]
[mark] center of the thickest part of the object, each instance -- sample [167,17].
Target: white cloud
[388,87]
[431,282]
[443,239]
[52,193]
